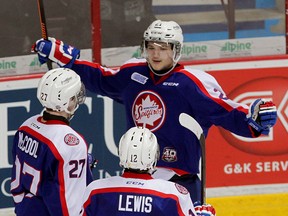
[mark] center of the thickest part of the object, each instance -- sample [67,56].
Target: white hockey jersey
[50,170]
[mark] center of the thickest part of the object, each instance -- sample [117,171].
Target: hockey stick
[43,26]
[191,124]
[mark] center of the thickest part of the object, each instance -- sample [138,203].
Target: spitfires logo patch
[181,189]
[148,110]
[71,139]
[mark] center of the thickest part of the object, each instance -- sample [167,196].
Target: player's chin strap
[161,72]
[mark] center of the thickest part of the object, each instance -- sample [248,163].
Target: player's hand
[204,210]
[262,116]
[55,50]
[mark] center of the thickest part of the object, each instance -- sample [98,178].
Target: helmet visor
[81,95]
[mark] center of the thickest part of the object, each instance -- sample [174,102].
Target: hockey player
[50,167]
[156,89]
[136,192]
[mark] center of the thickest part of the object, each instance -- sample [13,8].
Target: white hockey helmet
[61,88]
[167,32]
[138,149]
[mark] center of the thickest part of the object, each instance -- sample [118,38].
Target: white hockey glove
[262,116]
[55,50]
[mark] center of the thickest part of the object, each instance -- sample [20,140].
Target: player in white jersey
[136,192]
[50,159]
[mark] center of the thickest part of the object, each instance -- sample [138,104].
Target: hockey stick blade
[191,124]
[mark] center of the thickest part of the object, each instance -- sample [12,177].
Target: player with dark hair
[50,164]
[136,192]
[156,89]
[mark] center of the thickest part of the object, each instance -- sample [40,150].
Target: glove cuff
[257,128]
[68,61]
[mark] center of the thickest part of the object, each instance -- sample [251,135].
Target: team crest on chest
[148,110]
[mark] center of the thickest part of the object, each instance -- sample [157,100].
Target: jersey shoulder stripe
[134,62]
[210,87]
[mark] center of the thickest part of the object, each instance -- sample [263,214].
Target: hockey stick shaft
[191,124]
[43,25]
[203,168]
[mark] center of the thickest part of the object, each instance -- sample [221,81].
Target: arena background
[245,50]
